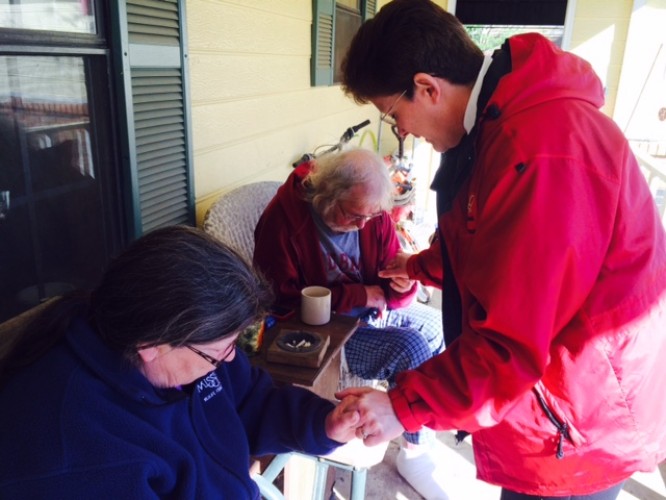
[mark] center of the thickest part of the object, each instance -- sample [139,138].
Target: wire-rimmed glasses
[356,218]
[388,117]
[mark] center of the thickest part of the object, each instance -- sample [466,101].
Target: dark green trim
[322,61]
[323,42]
[368,9]
[157,160]
[189,154]
[122,78]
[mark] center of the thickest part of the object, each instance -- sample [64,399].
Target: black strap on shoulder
[456,163]
[456,166]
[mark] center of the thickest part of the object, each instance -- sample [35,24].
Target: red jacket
[287,251]
[560,259]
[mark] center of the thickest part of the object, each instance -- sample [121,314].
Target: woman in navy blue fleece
[136,390]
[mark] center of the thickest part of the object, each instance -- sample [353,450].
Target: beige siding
[253,110]
[642,84]
[600,35]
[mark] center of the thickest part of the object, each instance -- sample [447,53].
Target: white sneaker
[423,472]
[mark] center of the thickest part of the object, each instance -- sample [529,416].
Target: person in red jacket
[550,254]
[327,225]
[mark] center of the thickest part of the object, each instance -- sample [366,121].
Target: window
[347,22]
[69,16]
[490,22]
[56,163]
[93,139]
[334,24]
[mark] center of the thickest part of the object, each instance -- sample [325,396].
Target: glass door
[59,195]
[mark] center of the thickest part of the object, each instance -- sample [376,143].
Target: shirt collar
[470,111]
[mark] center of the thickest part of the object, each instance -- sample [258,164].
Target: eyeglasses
[387,117]
[355,218]
[214,361]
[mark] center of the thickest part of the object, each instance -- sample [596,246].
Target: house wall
[599,35]
[254,112]
[641,98]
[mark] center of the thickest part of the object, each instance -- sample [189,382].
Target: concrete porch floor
[384,482]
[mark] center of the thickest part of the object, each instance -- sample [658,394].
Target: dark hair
[404,38]
[176,285]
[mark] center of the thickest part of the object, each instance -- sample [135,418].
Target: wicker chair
[233,217]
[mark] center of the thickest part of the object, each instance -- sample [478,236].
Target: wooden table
[322,380]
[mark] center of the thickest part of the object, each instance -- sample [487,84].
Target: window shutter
[156,97]
[369,9]
[323,28]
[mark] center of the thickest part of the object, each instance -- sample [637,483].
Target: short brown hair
[408,37]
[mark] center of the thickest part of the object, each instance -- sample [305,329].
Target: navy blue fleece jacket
[83,423]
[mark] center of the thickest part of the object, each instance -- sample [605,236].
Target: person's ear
[148,354]
[427,86]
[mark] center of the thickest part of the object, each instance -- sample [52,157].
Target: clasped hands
[364,413]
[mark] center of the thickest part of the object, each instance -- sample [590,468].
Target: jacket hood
[567,76]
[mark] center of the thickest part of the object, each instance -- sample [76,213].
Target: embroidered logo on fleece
[209,386]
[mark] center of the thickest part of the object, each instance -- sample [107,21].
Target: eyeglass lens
[214,361]
[387,117]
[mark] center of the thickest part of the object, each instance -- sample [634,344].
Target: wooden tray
[310,357]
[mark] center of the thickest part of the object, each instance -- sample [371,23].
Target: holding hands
[342,422]
[377,422]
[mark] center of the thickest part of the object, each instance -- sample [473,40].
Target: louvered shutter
[369,9]
[157,121]
[323,28]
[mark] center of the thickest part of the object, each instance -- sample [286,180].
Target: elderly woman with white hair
[328,225]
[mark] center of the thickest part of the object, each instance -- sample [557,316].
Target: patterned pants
[400,340]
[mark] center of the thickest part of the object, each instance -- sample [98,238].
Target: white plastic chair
[233,217]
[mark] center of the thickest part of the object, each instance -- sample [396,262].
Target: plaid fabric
[400,340]
[424,319]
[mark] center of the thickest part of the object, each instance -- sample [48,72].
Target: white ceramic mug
[315,305]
